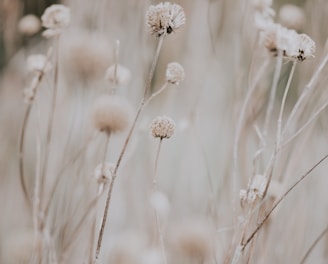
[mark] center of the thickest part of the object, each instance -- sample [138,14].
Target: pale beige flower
[174,73]
[288,43]
[103,172]
[111,113]
[38,63]
[29,25]
[119,75]
[162,127]
[55,18]
[165,18]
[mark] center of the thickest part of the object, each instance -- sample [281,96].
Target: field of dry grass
[219,157]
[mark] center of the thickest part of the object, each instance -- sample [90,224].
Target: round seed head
[292,16]
[162,127]
[111,113]
[29,25]
[120,76]
[104,171]
[165,18]
[174,73]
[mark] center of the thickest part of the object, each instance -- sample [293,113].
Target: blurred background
[200,213]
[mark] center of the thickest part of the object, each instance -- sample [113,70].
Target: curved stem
[156,93]
[51,121]
[126,142]
[315,242]
[21,155]
[265,218]
[306,91]
[284,98]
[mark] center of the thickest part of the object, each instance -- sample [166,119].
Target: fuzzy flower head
[165,18]
[289,43]
[111,114]
[119,75]
[162,127]
[55,18]
[174,73]
[103,172]
[29,25]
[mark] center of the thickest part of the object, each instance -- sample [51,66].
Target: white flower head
[119,75]
[289,43]
[174,73]
[104,171]
[55,18]
[29,25]
[38,63]
[162,127]
[165,18]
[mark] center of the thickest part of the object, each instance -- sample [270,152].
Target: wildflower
[162,127]
[29,25]
[174,73]
[120,76]
[38,63]
[55,18]
[289,43]
[263,13]
[103,172]
[193,238]
[111,113]
[292,17]
[165,18]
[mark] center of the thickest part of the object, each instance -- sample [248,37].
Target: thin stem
[284,98]
[155,188]
[156,93]
[265,218]
[272,93]
[126,142]
[241,120]
[21,155]
[301,129]
[306,91]
[315,242]
[63,169]
[51,121]
[153,66]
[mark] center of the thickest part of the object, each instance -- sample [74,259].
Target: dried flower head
[165,18]
[38,63]
[111,113]
[162,127]
[174,73]
[292,17]
[119,75]
[263,13]
[289,43]
[103,172]
[194,238]
[55,18]
[29,25]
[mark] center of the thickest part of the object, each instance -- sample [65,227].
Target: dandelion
[118,74]
[162,127]
[174,73]
[292,17]
[29,25]
[111,114]
[55,18]
[165,18]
